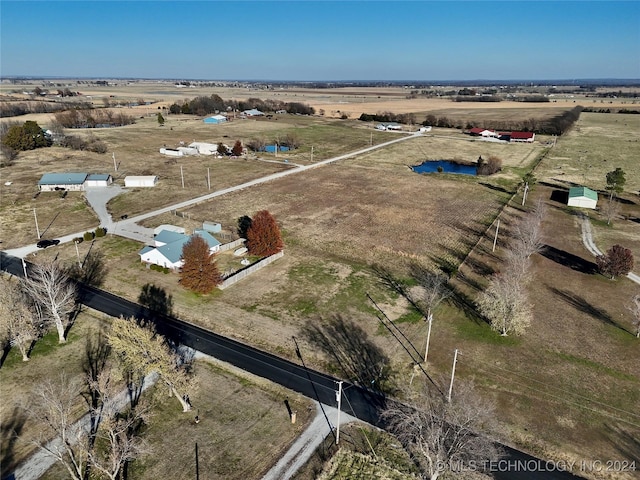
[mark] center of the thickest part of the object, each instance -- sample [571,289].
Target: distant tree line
[213,104]
[609,110]
[556,125]
[406,118]
[479,98]
[92,119]
[14,109]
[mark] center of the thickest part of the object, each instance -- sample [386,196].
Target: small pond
[431,166]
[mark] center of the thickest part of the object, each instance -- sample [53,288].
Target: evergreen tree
[263,236]
[237,148]
[199,271]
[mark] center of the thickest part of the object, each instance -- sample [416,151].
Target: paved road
[365,404]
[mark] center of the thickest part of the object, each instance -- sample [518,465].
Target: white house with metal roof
[582,197]
[73,181]
[167,251]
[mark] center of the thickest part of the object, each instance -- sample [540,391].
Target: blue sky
[322,40]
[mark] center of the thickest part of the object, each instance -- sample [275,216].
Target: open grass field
[244,423]
[567,389]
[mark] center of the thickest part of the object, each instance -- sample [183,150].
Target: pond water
[431,166]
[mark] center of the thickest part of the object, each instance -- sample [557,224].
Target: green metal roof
[63,179]
[583,192]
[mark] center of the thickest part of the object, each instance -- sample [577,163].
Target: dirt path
[307,443]
[587,240]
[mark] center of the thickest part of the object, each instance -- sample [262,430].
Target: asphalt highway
[360,402]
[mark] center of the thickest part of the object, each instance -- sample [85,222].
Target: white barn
[582,197]
[132,181]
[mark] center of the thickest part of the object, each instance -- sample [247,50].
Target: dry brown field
[568,389]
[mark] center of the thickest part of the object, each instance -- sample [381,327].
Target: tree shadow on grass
[574,262]
[626,440]
[580,304]
[10,431]
[352,353]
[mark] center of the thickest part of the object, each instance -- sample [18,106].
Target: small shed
[582,197]
[215,119]
[172,152]
[212,227]
[140,181]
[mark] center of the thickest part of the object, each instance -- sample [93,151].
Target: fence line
[228,246]
[249,270]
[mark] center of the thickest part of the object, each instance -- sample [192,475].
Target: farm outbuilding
[582,197]
[254,112]
[215,119]
[527,137]
[172,152]
[140,181]
[73,181]
[205,148]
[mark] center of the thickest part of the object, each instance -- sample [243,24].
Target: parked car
[47,243]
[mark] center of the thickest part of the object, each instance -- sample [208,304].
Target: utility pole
[78,254]
[453,374]
[526,190]
[311,153]
[197,464]
[339,399]
[36,217]
[208,178]
[429,322]
[24,267]
[115,165]
[495,240]
[182,176]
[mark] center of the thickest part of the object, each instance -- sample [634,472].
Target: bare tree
[528,238]
[610,209]
[442,435]
[143,351]
[18,320]
[54,407]
[634,308]
[53,293]
[505,304]
[114,440]
[432,291]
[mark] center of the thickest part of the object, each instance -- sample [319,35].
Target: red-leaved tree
[263,236]
[199,271]
[617,261]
